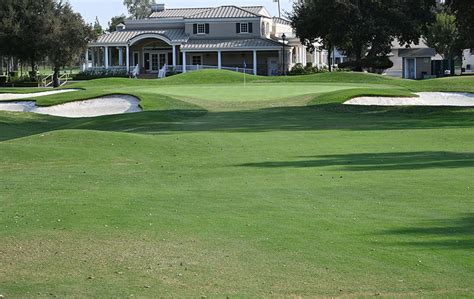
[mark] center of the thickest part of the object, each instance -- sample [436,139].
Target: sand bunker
[18,96]
[110,105]
[424,99]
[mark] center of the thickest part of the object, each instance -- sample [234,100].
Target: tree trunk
[56,82]
[358,57]
[330,58]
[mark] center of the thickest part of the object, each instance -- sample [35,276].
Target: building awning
[231,45]
[419,52]
[174,36]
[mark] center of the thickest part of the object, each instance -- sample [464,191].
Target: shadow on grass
[446,234]
[379,161]
[319,117]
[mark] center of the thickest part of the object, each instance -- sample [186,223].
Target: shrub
[376,64]
[299,69]
[101,73]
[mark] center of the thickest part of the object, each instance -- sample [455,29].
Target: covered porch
[150,52]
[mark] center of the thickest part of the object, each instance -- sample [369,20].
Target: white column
[184,62]
[120,56]
[127,59]
[87,59]
[305,56]
[106,57]
[219,59]
[93,57]
[255,62]
[174,56]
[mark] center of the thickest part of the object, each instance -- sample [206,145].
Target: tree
[24,25]
[464,12]
[443,36]
[139,9]
[359,28]
[68,39]
[35,24]
[313,29]
[116,21]
[98,30]
[8,27]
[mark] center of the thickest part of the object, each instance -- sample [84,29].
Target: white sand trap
[18,96]
[424,99]
[110,105]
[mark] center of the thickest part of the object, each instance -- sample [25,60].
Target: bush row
[101,73]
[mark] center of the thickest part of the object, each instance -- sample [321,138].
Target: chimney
[158,7]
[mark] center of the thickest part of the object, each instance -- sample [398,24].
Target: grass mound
[208,77]
[342,77]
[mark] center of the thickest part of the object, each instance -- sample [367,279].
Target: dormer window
[244,28]
[201,28]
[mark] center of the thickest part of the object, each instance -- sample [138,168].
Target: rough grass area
[283,193]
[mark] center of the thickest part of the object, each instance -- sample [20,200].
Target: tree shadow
[378,161]
[310,118]
[445,233]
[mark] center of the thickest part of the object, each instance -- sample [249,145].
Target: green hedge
[371,64]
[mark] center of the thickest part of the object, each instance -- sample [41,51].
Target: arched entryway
[148,51]
[151,52]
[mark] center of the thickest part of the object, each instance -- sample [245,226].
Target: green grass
[275,190]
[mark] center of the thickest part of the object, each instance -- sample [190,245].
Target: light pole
[283,37]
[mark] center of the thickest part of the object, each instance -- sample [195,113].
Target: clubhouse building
[185,39]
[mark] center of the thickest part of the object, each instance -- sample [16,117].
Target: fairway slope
[216,190]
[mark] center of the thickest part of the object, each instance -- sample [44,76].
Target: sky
[106,9]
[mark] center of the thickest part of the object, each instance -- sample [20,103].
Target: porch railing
[191,68]
[179,68]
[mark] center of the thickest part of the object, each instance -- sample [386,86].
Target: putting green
[249,92]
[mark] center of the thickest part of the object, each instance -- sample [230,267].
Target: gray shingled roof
[258,10]
[227,11]
[250,43]
[281,21]
[418,52]
[122,37]
[178,12]
[221,12]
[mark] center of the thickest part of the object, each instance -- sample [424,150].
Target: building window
[201,29]
[244,27]
[197,60]
[468,67]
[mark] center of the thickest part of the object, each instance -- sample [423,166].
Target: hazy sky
[106,9]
